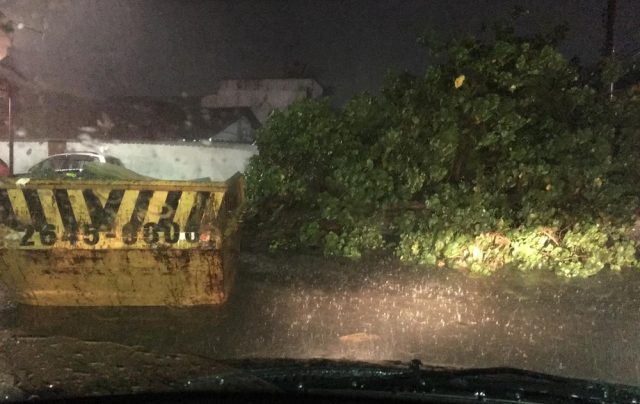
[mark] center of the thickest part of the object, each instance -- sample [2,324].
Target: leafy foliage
[500,156]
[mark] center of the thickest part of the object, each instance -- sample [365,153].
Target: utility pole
[610,24]
[10,127]
[6,108]
[608,50]
[6,40]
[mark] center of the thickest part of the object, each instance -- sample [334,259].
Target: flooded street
[310,307]
[149,146]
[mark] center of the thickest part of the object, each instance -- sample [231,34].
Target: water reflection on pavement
[304,307]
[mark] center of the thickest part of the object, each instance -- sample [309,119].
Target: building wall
[25,154]
[262,96]
[239,131]
[177,161]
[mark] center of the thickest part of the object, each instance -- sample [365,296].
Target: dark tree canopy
[500,156]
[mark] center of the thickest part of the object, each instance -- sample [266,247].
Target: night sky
[101,48]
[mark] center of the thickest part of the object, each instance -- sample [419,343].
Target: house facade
[175,138]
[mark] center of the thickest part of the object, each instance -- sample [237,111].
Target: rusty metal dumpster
[119,243]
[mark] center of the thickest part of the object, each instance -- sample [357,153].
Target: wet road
[308,307]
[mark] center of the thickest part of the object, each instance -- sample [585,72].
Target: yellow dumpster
[119,243]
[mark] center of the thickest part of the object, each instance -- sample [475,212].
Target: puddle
[308,307]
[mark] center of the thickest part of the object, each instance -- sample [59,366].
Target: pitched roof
[50,115]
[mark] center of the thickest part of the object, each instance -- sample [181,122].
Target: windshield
[363,181]
[76,162]
[53,163]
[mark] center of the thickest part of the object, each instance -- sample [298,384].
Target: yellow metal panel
[217,201]
[139,277]
[79,206]
[127,206]
[103,268]
[102,194]
[156,203]
[19,205]
[187,200]
[123,184]
[50,208]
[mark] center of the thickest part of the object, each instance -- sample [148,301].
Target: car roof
[88,153]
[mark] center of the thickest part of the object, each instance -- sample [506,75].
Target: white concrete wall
[177,161]
[25,154]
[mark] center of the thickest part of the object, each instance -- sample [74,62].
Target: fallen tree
[501,155]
